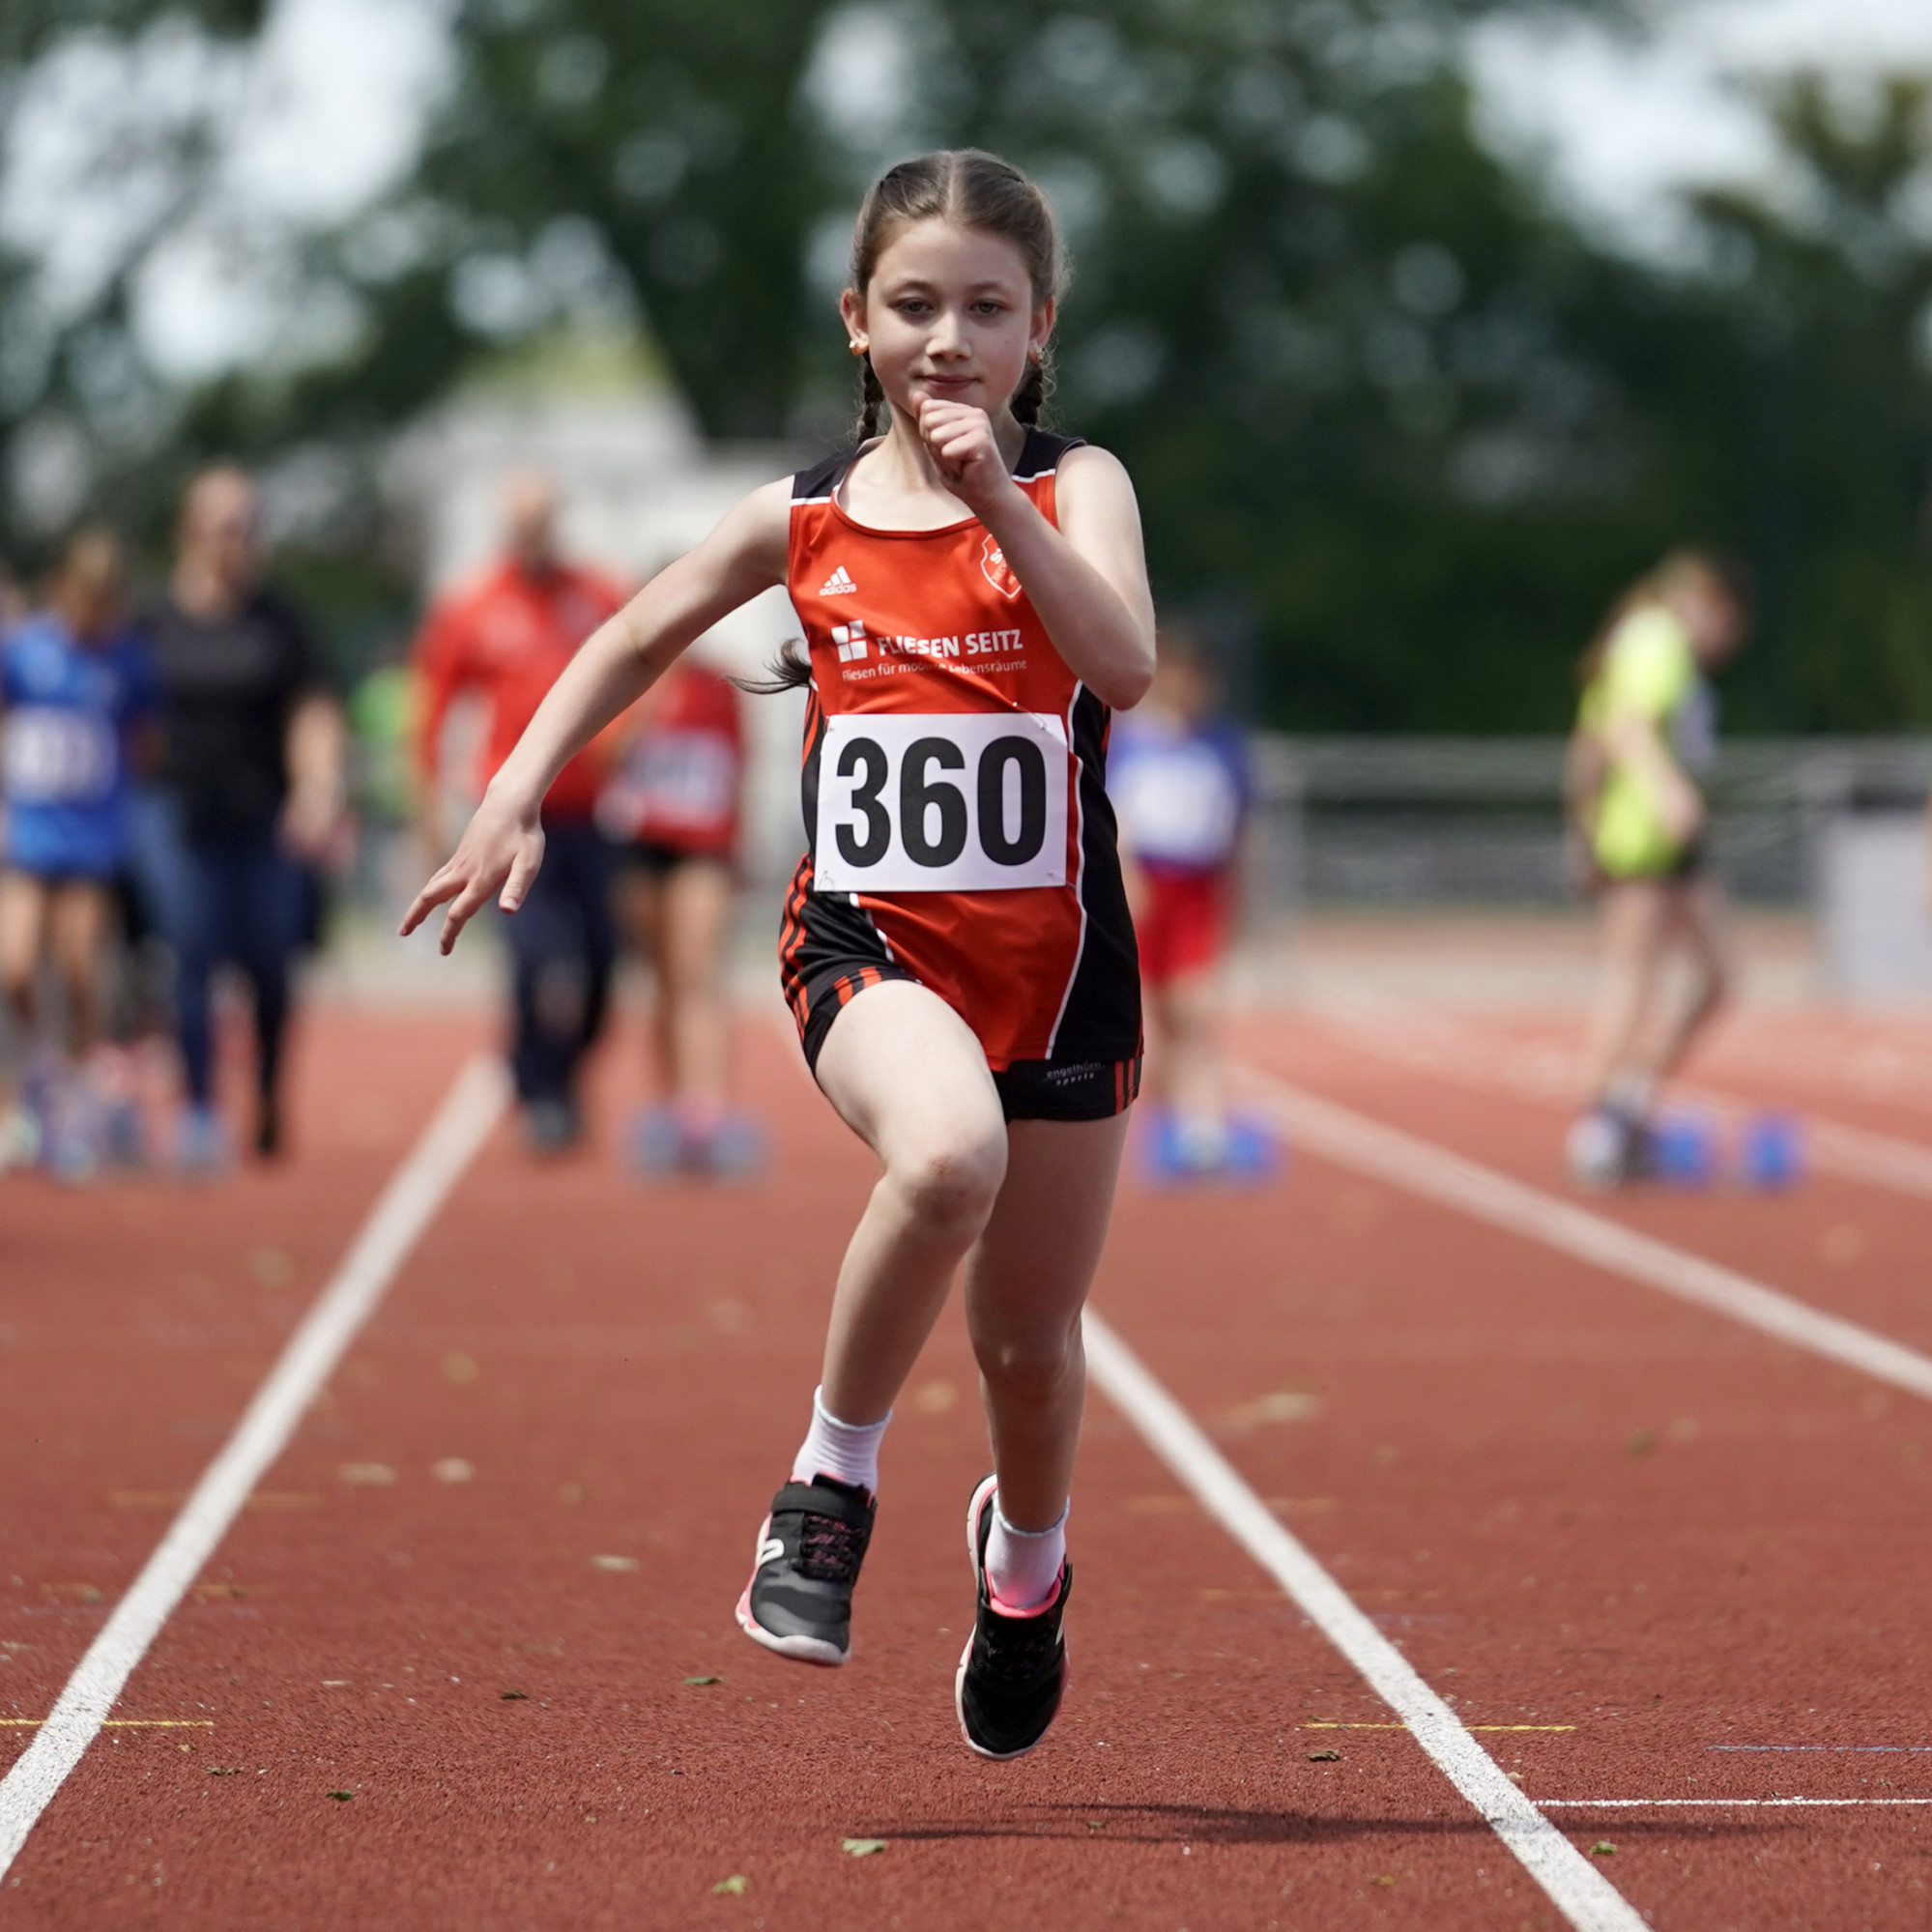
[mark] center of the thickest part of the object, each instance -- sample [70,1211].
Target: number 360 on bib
[944,802]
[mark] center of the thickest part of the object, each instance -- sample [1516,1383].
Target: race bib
[50,756]
[680,780]
[1180,805]
[952,802]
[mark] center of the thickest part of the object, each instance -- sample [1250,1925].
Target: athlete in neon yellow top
[1643,736]
[1649,678]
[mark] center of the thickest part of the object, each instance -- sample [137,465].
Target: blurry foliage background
[1400,429]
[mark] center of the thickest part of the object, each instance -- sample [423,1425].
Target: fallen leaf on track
[1324,1757]
[703,1679]
[862,1847]
[618,1563]
[735,1885]
[514,1696]
[272,1267]
[1603,1849]
[341,1797]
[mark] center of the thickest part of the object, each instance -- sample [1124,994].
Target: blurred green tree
[1400,430]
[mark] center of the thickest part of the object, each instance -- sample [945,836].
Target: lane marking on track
[1452,1052]
[406,1206]
[1679,1804]
[123,1723]
[1311,1726]
[1581,1892]
[1422,1168]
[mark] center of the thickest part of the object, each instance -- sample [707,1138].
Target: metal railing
[1375,821]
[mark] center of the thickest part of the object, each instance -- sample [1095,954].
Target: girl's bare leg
[1190,1018]
[643,914]
[695,907]
[1026,1281]
[23,920]
[1633,930]
[1696,914]
[76,931]
[906,1075]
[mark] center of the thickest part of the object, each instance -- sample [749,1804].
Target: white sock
[1023,1565]
[847,1452]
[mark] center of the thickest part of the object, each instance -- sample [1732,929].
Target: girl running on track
[671,809]
[77,704]
[1645,732]
[955,948]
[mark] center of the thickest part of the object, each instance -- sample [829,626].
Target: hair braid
[1030,400]
[870,400]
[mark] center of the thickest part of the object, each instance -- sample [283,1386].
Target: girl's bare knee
[949,1182]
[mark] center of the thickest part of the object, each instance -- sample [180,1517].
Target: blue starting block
[1771,1153]
[1681,1151]
[1248,1151]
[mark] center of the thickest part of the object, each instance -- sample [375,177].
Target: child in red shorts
[1178,776]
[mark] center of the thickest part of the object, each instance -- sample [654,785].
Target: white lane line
[406,1208]
[1452,1052]
[1664,1804]
[1583,1896]
[1353,1141]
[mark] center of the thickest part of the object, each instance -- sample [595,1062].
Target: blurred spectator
[13,599]
[77,710]
[248,798]
[1177,774]
[673,805]
[1646,732]
[506,635]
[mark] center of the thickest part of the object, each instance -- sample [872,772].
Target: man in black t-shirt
[248,794]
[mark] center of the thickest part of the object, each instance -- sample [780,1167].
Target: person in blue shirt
[1177,774]
[76,697]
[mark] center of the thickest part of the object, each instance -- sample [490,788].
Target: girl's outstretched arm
[1088,578]
[502,847]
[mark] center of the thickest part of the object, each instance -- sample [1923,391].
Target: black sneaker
[1014,1670]
[799,1600]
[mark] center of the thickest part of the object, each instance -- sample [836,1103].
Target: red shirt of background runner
[509,634]
[680,783]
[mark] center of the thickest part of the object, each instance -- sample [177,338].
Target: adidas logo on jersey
[850,638]
[838,583]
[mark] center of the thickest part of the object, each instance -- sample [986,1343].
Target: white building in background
[639,486]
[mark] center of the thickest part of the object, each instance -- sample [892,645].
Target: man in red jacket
[507,634]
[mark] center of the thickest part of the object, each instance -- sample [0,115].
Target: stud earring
[857,348]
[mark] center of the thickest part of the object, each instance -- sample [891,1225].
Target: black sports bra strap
[1042,450]
[1040,454]
[824,476]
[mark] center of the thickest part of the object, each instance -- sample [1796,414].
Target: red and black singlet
[956,810]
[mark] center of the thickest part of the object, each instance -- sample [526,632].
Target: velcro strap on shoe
[816,1499]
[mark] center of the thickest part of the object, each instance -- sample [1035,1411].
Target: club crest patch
[998,572]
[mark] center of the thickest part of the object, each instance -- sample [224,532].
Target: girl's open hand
[500,853]
[961,440]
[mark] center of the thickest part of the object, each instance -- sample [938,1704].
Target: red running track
[1577,1504]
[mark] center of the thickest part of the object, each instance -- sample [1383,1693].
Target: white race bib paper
[943,802]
